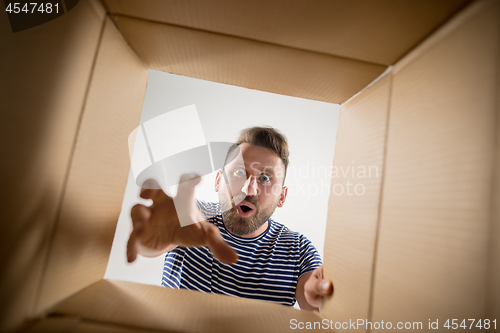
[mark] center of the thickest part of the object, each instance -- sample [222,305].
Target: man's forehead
[253,157]
[255,166]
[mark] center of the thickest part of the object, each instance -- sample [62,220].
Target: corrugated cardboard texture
[52,325]
[95,327]
[493,293]
[45,72]
[246,63]
[432,258]
[352,218]
[77,325]
[153,307]
[436,256]
[99,169]
[373,31]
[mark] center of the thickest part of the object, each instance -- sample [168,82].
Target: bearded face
[253,214]
[250,189]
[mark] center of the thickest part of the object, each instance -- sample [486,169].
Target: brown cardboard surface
[437,253]
[374,31]
[52,325]
[98,174]
[45,72]
[97,327]
[153,307]
[493,286]
[246,63]
[63,324]
[448,28]
[352,219]
[433,243]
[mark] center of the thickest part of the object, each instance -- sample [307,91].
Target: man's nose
[250,186]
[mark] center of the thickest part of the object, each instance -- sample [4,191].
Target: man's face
[250,189]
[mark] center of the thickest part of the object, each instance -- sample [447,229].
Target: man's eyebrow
[267,169]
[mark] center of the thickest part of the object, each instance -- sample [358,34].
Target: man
[239,250]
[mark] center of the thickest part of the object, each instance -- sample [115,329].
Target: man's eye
[265,178]
[240,173]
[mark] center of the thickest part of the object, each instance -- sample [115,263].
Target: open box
[422,244]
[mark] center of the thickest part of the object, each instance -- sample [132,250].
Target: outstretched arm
[156,229]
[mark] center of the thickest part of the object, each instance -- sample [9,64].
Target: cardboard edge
[99,8]
[96,303]
[386,72]
[117,14]
[362,72]
[373,86]
[35,309]
[39,308]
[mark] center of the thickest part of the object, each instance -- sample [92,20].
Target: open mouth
[245,209]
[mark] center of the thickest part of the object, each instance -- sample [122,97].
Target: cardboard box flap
[374,31]
[52,324]
[432,254]
[246,63]
[352,219]
[99,167]
[126,303]
[63,324]
[493,283]
[45,73]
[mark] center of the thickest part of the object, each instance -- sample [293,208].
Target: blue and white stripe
[268,266]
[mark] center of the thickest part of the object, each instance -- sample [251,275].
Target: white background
[311,129]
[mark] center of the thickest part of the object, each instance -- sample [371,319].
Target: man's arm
[156,229]
[311,288]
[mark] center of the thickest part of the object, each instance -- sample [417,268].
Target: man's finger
[323,287]
[151,184]
[220,249]
[139,214]
[187,183]
[158,196]
[147,193]
[151,190]
[132,247]
[184,200]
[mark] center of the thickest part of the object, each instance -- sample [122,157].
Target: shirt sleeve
[172,268]
[309,256]
[207,209]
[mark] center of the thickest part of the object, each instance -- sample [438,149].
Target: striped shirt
[268,265]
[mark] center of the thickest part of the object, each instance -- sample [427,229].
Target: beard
[237,224]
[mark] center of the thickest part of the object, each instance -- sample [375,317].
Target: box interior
[422,244]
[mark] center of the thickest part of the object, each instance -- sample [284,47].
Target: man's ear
[217,180]
[284,192]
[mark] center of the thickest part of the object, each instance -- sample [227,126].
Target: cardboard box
[422,244]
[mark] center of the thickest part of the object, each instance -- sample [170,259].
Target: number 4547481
[470,323]
[35,7]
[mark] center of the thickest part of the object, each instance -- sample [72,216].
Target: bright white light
[174,132]
[139,152]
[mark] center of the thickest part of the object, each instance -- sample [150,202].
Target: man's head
[251,185]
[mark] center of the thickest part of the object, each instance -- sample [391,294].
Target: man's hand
[156,229]
[312,288]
